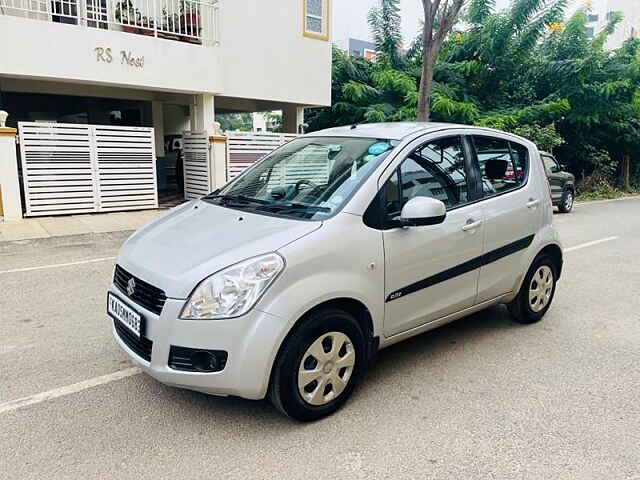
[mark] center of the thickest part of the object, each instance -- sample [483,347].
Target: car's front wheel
[318,366]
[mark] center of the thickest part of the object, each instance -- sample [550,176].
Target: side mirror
[420,211]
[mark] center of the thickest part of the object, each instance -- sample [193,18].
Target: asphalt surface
[479,398]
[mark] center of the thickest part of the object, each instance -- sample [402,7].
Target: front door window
[431,271]
[436,170]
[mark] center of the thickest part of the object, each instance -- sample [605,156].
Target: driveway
[479,398]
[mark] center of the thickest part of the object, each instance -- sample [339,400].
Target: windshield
[309,178]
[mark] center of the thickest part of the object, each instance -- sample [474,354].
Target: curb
[595,202]
[65,240]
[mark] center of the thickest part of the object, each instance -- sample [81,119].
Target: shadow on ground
[400,359]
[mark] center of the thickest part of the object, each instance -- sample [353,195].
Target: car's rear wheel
[537,291]
[566,204]
[318,366]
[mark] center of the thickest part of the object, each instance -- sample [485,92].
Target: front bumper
[251,341]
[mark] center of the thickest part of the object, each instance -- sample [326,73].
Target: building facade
[167,64]
[358,48]
[629,27]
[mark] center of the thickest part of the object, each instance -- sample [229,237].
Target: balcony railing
[193,21]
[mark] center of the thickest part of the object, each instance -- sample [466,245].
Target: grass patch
[606,193]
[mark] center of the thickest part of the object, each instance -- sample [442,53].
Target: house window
[592,18]
[316,19]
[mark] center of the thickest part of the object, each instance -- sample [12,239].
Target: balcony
[192,21]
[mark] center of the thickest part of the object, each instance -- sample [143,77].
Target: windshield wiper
[241,200]
[297,206]
[225,199]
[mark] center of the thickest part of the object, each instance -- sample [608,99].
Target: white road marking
[7,348]
[112,377]
[589,244]
[57,265]
[62,391]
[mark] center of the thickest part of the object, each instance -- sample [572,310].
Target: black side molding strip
[466,267]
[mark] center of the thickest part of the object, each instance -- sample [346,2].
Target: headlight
[233,291]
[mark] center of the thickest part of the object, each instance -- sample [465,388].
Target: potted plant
[127,15]
[169,25]
[190,21]
[148,26]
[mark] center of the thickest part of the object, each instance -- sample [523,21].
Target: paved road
[480,398]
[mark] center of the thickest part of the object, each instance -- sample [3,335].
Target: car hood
[178,250]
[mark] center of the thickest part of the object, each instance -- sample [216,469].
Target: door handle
[533,203]
[471,225]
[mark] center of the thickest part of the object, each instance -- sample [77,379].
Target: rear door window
[503,164]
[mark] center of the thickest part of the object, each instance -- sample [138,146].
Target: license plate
[124,314]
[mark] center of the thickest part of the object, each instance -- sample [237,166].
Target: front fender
[297,298]
[329,264]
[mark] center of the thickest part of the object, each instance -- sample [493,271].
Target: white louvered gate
[72,168]
[196,165]
[247,148]
[126,168]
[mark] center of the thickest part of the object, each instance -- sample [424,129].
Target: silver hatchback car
[287,281]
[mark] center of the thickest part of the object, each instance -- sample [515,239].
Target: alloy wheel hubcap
[568,201]
[541,288]
[326,368]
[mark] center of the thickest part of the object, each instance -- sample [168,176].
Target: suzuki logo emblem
[131,286]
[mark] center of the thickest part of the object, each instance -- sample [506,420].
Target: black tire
[566,203]
[283,390]
[520,308]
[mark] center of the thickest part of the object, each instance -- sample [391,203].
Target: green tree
[439,18]
[602,88]
[275,119]
[242,122]
[525,70]
[385,24]
[366,92]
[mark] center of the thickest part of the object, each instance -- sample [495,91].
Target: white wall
[67,52]
[262,55]
[259,122]
[265,55]
[630,24]
[627,28]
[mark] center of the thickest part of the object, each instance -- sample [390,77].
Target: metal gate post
[95,172]
[10,203]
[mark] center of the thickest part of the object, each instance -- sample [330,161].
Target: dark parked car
[563,184]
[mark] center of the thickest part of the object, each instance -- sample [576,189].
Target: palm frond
[479,10]
[534,31]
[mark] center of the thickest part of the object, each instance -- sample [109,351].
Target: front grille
[141,346]
[145,294]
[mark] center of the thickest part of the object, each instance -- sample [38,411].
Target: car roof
[390,130]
